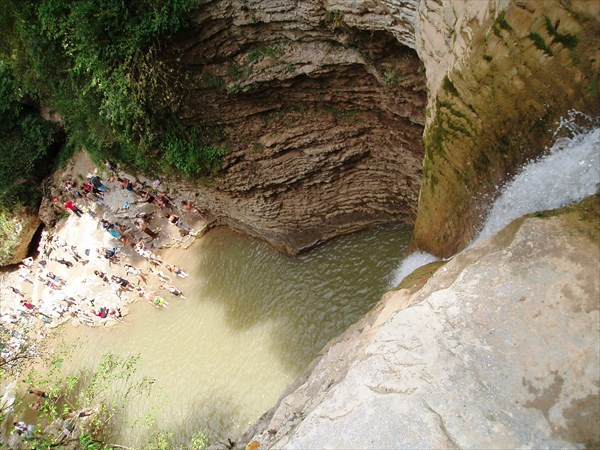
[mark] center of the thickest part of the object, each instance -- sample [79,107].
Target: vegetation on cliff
[25,139]
[98,64]
[81,410]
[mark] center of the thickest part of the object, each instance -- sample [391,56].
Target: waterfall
[409,264]
[568,173]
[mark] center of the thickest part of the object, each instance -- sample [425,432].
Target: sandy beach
[101,257]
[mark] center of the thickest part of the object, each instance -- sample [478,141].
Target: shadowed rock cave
[324,129]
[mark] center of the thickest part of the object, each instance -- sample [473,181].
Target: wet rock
[500,75]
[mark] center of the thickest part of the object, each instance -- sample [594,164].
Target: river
[252,322]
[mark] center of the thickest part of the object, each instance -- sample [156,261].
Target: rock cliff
[499,76]
[323,103]
[19,229]
[322,107]
[497,350]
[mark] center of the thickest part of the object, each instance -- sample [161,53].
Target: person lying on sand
[177,271]
[173,290]
[152,298]
[164,278]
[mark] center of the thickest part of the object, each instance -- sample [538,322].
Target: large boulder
[16,231]
[499,349]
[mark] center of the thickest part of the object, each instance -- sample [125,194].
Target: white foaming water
[569,173]
[411,263]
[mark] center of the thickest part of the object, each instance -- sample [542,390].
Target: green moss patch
[582,217]
[420,276]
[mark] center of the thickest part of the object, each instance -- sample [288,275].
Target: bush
[25,139]
[185,150]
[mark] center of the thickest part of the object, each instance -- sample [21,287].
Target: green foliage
[334,19]
[213,81]
[25,139]
[186,150]
[568,40]
[98,62]
[539,42]
[100,395]
[8,241]
[264,51]
[390,76]
[448,85]
[199,441]
[501,21]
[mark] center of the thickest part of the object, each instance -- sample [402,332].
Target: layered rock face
[499,349]
[321,104]
[322,110]
[499,75]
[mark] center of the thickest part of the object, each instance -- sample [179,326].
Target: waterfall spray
[569,173]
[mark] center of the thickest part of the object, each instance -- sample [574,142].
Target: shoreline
[60,284]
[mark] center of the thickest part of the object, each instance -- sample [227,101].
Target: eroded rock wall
[19,227]
[499,76]
[322,108]
[497,350]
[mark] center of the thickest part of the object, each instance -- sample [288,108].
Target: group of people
[134,231]
[55,286]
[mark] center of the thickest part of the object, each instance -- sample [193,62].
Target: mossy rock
[582,217]
[419,277]
[498,109]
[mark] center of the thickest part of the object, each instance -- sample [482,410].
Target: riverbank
[103,255]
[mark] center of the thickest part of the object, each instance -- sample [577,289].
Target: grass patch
[567,40]
[539,43]
[448,85]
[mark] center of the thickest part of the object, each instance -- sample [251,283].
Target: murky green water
[252,322]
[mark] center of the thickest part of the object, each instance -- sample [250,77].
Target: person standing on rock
[141,225]
[70,205]
[97,183]
[109,165]
[190,207]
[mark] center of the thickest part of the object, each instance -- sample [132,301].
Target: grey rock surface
[498,350]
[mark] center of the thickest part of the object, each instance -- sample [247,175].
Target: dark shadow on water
[310,298]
